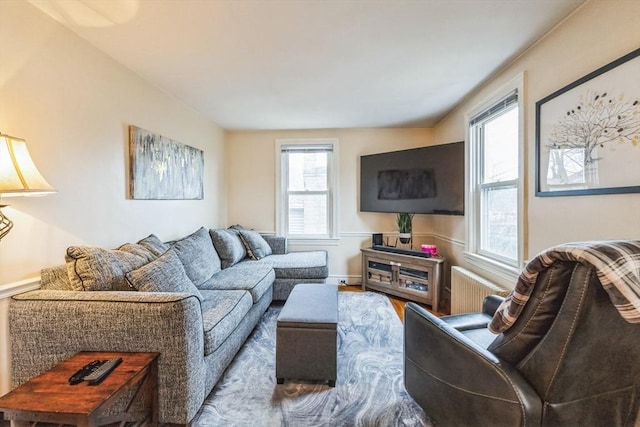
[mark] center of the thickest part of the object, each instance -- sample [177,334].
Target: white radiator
[468,291]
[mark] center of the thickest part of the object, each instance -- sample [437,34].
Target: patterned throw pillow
[165,274]
[255,244]
[98,269]
[229,247]
[198,256]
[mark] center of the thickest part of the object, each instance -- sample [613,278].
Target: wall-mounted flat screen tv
[427,180]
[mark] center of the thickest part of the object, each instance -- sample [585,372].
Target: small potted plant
[404,226]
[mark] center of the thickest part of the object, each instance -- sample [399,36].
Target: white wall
[596,34]
[73,105]
[593,36]
[251,159]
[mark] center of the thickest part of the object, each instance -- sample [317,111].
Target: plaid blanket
[617,265]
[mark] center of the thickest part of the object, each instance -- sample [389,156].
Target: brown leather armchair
[570,359]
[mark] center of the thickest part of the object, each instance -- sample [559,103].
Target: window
[494,220]
[306,182]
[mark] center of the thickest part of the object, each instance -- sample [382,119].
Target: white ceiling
[309,64]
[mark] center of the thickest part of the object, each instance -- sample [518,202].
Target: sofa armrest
[452,376]
[491,303]
[278,244]
[48,326]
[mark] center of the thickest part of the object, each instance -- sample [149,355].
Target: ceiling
[312,64]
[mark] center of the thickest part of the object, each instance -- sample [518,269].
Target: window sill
[311,241]
[506,273]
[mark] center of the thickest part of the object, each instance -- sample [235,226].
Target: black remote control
[79,376]
[101,373]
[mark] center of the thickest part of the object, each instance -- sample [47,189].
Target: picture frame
[163,169]
[588,133]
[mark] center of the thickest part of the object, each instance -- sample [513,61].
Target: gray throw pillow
[154,244]
[229,247]
[98,269]
[198,256]
[255,244]
[165,274]
[55,278]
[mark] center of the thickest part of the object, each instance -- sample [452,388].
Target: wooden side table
[50,398]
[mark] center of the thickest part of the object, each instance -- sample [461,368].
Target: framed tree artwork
[588,133]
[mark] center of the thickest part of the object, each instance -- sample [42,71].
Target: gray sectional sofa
[194,300]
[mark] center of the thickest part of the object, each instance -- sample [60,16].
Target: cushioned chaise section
[222,312]
[310,265]
[257,280]
[218,361]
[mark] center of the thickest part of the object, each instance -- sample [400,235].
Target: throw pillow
[229,247]
[255,244]
[55,278]
[98,269]
[198,256]
[154,244]
[165,274]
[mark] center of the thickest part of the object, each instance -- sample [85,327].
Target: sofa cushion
[164,274]
[297,265]
[154,244]
[98,269]
[222,312]
[254,277]
[257,247]
[198,256]
[229,247]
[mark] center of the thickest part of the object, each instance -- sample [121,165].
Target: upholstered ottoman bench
[306,334]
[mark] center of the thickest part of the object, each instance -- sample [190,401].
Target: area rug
[369,389]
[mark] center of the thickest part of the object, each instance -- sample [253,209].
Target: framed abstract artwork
[588,133]
[163,169]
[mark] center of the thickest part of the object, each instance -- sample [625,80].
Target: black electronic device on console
[94,372]
[81,373]
[101,373]
[401,251]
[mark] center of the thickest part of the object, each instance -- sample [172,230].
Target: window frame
[494,264]
[281,205]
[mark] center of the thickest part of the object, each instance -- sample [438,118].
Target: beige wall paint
[251,162]
[598,33]
[73,105]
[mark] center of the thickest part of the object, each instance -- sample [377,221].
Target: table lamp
[19,176]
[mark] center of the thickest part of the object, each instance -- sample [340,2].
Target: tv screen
[427,180]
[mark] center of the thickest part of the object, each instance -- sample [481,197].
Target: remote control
[101,373]
[79,376]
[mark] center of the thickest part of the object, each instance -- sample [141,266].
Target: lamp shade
[19,176]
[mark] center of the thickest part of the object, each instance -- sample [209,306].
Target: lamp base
[5,224]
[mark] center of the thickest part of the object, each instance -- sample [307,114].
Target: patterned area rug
[369,389]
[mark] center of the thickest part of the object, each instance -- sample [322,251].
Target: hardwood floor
[397,303]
